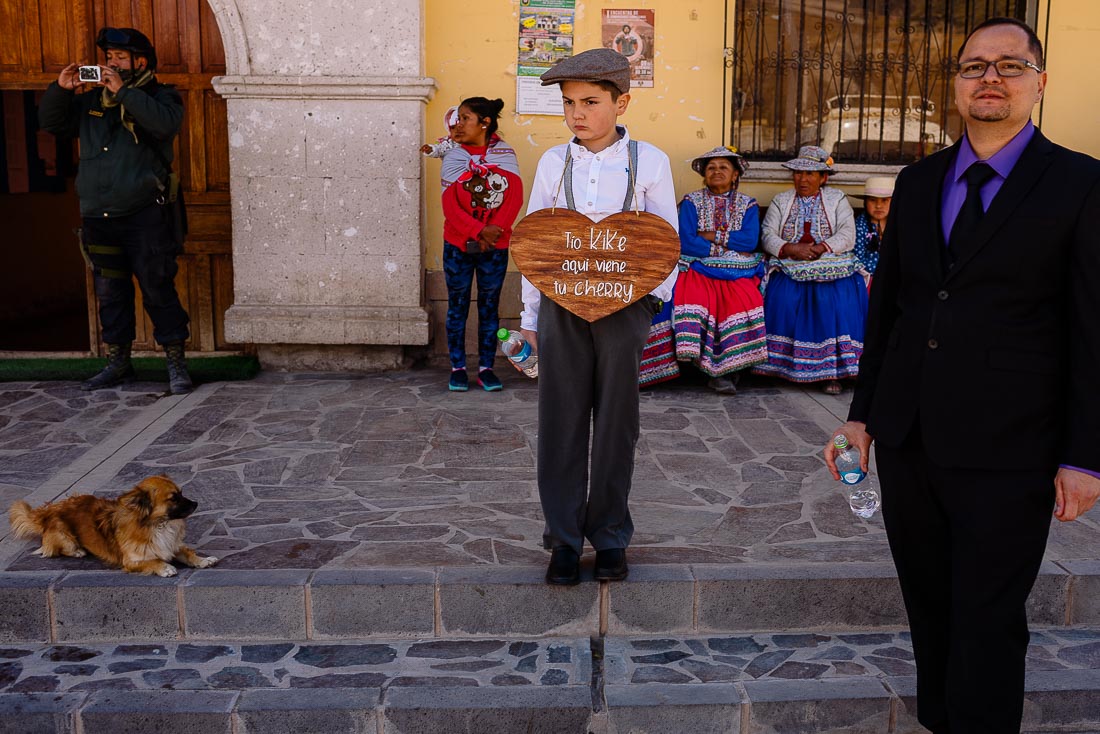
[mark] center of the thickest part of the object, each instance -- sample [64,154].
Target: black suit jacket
[998,359]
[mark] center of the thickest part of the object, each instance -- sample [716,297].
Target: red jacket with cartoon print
[468,206]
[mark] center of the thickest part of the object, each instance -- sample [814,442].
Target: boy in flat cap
[588,372]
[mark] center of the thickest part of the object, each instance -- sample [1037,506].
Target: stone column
[325,120]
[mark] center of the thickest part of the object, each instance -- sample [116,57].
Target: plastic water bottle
[847,461]
[863,496]
[516,348]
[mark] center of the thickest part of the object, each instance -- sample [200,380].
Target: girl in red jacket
[482,194]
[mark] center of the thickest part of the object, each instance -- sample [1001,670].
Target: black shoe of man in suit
[611,564]
[565,567]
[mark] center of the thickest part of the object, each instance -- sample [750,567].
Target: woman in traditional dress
[815,301]
[716,318]
[871,223]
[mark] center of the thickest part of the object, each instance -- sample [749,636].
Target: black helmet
[127,39]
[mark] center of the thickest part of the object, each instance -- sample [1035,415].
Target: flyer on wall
[630,32]
[545,38]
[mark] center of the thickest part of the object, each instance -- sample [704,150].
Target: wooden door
[42,36]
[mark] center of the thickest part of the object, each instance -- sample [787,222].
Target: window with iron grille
[871,81]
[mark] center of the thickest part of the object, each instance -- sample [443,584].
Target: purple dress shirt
[954,191]
[1002,162]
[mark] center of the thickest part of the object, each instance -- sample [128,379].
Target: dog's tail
[25,522]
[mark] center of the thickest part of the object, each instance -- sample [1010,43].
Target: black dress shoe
[565,567]
[611,564]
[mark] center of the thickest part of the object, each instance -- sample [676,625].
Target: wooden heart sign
[594,269]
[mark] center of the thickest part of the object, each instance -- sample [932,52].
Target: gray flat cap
[594,65]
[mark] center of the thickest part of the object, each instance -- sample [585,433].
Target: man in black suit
[977,381]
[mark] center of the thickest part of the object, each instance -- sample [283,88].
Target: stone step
[805,682]
[484,601]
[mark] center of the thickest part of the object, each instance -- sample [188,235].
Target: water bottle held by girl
[516,348]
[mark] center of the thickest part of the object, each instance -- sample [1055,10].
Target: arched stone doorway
[43,266]
[302,172]
[325,108]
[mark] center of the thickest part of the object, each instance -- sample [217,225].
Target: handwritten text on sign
[594,269]
[598,239]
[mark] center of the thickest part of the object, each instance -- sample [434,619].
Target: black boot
[117,371]
[179,382]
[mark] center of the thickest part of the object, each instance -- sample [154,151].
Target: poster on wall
[630,32]
[545,38]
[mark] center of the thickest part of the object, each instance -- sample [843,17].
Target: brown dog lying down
[140,531]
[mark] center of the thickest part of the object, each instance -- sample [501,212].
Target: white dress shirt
[599,187]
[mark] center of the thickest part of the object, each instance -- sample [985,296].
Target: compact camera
[89,75]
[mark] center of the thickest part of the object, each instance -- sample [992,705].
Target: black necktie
[970,216]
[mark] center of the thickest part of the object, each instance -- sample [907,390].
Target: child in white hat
[442,145]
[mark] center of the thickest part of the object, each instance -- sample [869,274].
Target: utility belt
[109,260]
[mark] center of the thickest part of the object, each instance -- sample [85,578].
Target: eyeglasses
[1004,67]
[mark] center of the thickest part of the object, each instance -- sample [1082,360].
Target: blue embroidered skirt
[815,330]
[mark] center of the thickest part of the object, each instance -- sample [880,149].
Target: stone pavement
[331,471]
[492,662]
[380,538]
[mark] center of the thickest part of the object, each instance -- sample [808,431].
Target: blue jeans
[459,269]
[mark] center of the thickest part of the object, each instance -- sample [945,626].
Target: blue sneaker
[459,381]
[488,381]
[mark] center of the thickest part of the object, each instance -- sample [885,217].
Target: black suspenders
[632,147]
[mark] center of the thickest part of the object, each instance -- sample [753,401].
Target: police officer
[126,125]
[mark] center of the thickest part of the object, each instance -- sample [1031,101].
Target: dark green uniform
[127,228]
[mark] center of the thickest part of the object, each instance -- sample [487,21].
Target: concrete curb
[164,712]
[542,710]
[39,713]
[1062,700]
[25,606]
[314,710]
[484,601]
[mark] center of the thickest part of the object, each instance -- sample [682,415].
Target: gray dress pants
[588,387]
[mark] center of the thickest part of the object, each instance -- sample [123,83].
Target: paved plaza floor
[343,472]
[381,567]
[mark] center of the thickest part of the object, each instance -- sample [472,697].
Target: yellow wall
[471,51]
[1071,110]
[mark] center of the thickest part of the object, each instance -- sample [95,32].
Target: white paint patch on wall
[351,232]
[390,268]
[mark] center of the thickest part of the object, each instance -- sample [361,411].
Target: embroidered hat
[811,158]
[722,151]
[880,187]
[594,65]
